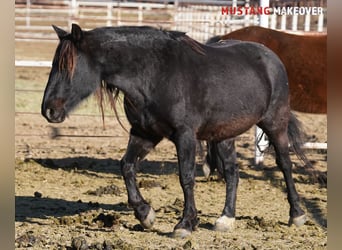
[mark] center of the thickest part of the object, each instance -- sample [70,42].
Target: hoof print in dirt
[138,228]
[149,184]
[79,243]
[103,220]
[188,245]
[27,240]
[37,194]
[111,189]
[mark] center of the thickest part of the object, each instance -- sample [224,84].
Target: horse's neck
[139,65]
[134,73]
[132,87]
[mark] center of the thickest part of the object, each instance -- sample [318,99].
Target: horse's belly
[224,130]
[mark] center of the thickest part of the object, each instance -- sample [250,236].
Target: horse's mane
[183,38]
[178,36]
[108,93]
[65,56]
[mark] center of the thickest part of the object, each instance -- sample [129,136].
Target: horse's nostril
[49,113]
[54,115]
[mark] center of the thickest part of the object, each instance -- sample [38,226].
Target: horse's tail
[296,138]
[213,39]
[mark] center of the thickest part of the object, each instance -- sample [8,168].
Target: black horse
[179,89]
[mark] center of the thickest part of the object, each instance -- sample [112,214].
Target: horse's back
[245,60]
[240,83]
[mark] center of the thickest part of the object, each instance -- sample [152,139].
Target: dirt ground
[69,191]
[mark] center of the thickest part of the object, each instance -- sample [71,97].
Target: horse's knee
[127,169]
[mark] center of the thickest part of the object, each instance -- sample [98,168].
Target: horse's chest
[148,121]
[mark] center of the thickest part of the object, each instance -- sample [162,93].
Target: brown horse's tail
[296,137]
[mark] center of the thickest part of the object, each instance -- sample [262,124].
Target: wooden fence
[33,21]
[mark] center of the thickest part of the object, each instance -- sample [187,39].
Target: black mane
[140,34]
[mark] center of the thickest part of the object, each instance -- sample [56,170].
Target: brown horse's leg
[185,143]
[226,152]
[280,140]
[137,149]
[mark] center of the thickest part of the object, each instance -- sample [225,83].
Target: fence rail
[32,63]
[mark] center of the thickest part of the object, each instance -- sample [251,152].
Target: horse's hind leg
[225,150]
[212,161]
[277,133]
[137,149]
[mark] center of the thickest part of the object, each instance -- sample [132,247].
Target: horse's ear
[60,33]
[76,32]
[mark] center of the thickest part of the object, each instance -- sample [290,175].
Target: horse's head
[73,75]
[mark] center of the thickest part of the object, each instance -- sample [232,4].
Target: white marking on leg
[224,224]
[298,221]
[206,170]
[181,233]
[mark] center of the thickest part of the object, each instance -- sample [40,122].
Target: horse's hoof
[206,170]
[298,221]
[224,224]
[181,233]
[148,222]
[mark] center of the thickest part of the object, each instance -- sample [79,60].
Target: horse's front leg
[137,149]
[186,149]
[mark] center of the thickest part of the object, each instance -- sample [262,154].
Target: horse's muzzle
[54,115]
[54,110]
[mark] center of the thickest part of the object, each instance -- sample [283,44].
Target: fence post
[109,14]
[320,23]
[263,17]
[307,23]
[118,22]
[295,22]
[73,12]
[140,14]
[28,14]
[73,7]
[234,3]
[273,24]
[283,22]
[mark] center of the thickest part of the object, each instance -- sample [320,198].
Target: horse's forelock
[66,56]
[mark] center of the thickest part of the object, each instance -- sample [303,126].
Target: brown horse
[305,59]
